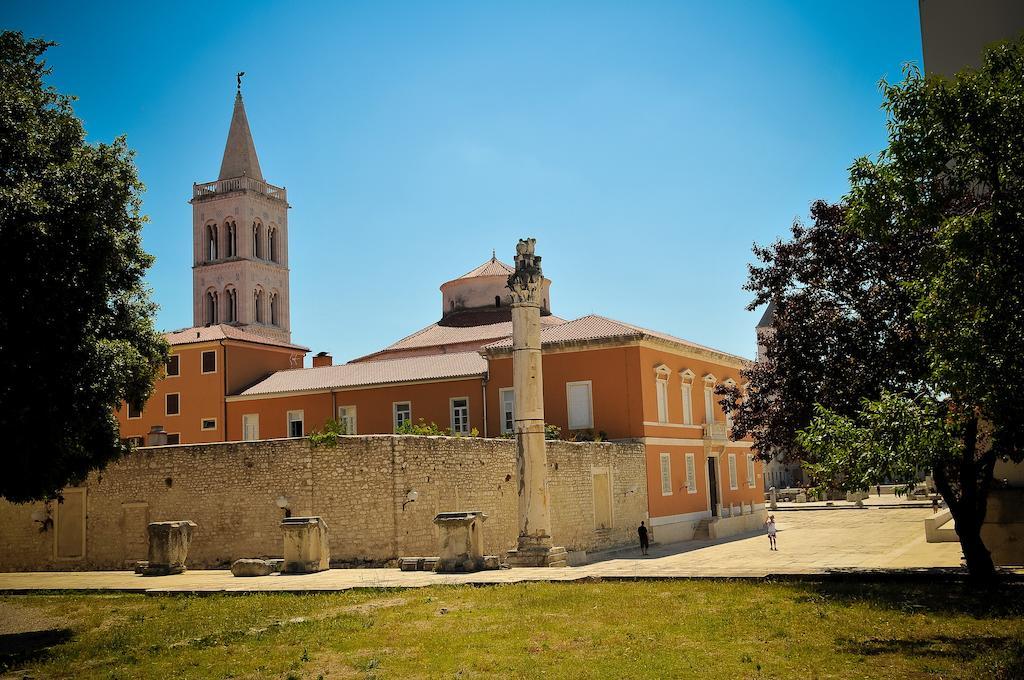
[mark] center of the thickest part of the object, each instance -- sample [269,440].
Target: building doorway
[713,484]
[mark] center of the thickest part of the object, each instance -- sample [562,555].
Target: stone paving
[885,536]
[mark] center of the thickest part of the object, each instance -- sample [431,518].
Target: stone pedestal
[461,541]
[773,503]
[168,547]
[306,549]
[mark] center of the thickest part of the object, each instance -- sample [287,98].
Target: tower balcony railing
[223,186]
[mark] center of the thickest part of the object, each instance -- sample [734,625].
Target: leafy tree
[76,328]
[900,312]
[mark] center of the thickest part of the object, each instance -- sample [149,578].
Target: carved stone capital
[525,282]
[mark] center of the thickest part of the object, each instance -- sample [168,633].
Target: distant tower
[240,242]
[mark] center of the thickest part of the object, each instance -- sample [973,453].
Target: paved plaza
[812,541]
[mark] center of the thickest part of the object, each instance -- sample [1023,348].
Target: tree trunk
[964,486]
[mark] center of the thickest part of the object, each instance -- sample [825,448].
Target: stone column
[534,542]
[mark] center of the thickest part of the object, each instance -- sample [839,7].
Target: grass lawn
[588,630]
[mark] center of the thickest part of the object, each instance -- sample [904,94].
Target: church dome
[480,296]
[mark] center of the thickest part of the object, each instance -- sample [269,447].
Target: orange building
[240,378]
[206,364]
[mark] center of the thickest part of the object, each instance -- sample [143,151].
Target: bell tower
[240,241]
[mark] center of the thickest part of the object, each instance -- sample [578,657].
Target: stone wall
[360,488]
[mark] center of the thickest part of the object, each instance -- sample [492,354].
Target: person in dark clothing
[642,530]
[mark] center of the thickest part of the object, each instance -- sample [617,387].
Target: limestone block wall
[360,487]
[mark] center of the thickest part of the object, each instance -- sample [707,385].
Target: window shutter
[579,406]
[666,475]
[691,474]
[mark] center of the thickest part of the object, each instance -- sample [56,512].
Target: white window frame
[733,480]
[173,375]
[666,474]
[394,413]
[290,418]
[709,404]
[590,404]
[464,429]
[751,473]
[347,414]
[128,411]
[253,418]
[691,473]
[202,361]
[169,394]
[507,397]
[202,424]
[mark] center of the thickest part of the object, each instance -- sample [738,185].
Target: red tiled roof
[594,327]
[191,336]
[493,267]
[434,367]
[436,335]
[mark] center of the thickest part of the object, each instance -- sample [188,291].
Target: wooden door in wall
[713,484]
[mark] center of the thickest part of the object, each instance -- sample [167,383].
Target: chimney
[157,436]
[322,359]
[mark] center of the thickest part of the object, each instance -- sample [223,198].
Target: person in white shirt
[770,526]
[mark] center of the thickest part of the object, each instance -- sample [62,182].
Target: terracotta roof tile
[436,335]
[594,327]
[191,336]
[493,267]
[434,367]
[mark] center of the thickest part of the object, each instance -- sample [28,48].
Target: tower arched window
[231,301]
[273,309]
[232,232]
[257,246]
[257,306]
[211,242]
[272,244]
[211,307]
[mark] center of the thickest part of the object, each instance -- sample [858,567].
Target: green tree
[76,328]
[900,313]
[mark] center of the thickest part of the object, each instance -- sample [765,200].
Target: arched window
[257,306]
[497,301]
[211,307]
[257,246]
[231,300]
[272,244]
[232,232]
[273,309]
[211,242]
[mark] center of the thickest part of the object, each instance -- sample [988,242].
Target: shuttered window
[750,471]
[732,472]
[666,475]
[687,404]
[691,474]
[581,415]
[662,401]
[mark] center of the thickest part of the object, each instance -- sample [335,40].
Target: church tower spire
[240,241]
[240,158]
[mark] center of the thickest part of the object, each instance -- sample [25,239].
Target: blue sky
[645,145]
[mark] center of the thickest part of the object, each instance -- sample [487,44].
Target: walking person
[642,531]
[770,526]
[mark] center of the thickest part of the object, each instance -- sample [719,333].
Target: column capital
[525,282]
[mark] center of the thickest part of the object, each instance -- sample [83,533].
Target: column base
[538,557]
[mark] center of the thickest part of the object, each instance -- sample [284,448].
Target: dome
[480,296]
